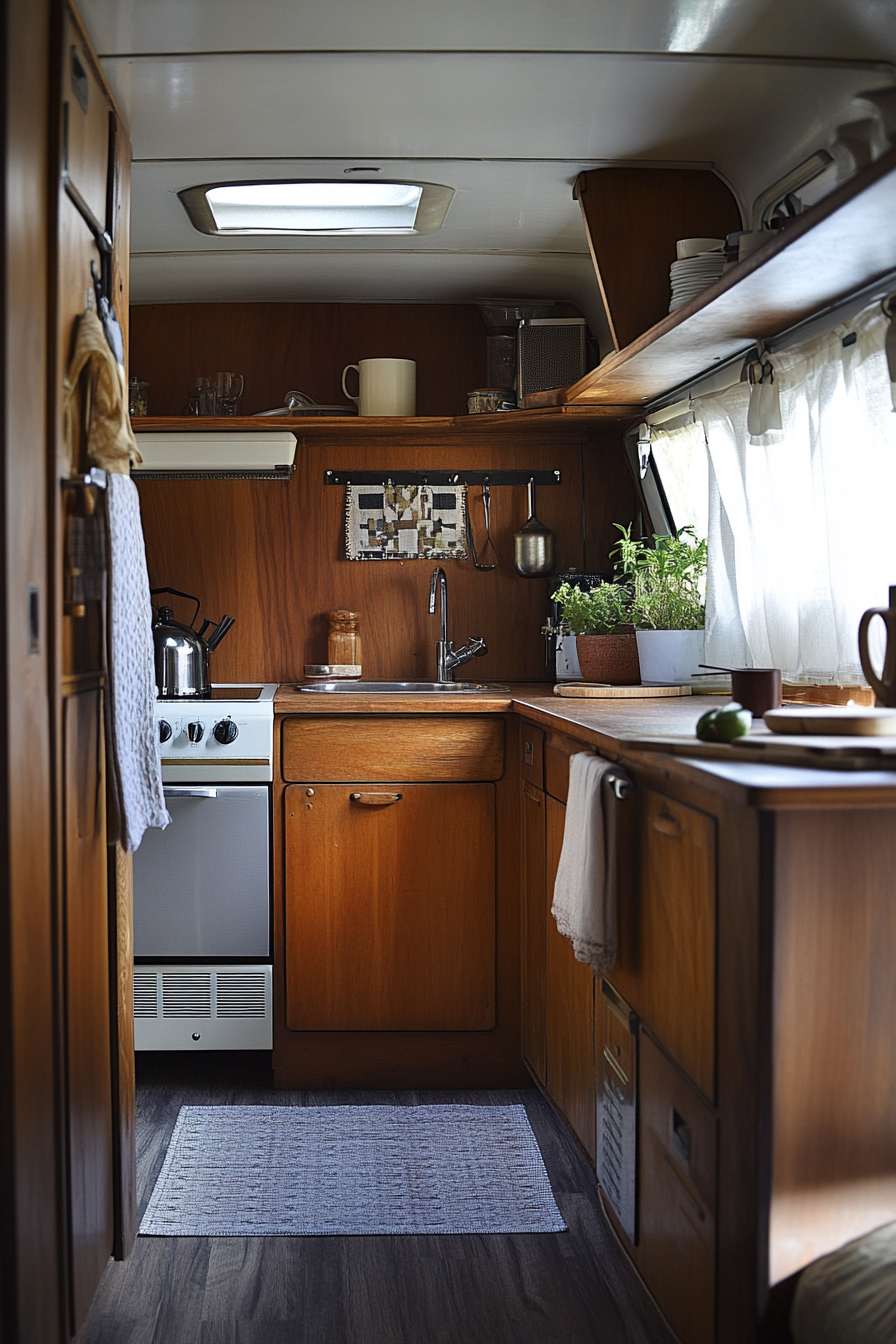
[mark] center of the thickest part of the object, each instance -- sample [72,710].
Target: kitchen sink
[397,688]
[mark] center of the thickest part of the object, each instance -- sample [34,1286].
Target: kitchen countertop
[638,730]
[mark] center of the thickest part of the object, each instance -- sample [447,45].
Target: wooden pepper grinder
[343,640]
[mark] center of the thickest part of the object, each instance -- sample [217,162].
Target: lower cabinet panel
[569,1002]
[677,1196]
[390,907]
[534,927]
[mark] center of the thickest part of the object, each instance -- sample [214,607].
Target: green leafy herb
[604,610]
[666,575]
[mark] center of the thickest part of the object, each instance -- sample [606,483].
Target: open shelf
[578,419]
[840,246]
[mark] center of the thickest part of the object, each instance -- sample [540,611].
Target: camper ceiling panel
[755,120]
[861,29]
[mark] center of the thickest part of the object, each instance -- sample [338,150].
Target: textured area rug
[280,1171]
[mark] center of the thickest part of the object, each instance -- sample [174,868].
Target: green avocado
[725,723]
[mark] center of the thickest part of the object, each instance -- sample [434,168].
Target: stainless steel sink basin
[394,688]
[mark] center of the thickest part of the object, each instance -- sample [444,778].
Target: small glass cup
[138,398]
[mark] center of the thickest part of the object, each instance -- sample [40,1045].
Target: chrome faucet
[447,657]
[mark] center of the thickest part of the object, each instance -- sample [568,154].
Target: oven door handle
[173,792]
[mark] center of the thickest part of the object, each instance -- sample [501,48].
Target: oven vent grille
[241,995]
[205,994]
[146,994]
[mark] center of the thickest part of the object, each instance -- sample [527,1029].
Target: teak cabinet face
[390,907]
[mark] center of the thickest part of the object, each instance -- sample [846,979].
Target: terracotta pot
[612,658]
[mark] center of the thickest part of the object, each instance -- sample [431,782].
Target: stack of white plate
[700,263]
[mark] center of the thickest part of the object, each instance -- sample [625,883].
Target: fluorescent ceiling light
[317,208]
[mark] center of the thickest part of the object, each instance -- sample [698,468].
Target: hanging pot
[534,546]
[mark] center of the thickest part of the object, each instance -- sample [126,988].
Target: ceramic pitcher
[884,686]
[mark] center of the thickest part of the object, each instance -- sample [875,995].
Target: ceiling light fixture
[328,209]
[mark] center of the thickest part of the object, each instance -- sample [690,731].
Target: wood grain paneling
[834,1085]
[534,927]
[31,1283]
[281,346]
[677,1183]
[390,909]
[87,1009]
[569,998]
[124,1152]
[272,555]
[407,747]
[633,218]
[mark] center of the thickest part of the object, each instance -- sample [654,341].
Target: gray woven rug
[280,1171]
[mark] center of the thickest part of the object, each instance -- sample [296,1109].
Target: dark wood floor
[546,1288]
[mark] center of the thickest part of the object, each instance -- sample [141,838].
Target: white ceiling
[504,100]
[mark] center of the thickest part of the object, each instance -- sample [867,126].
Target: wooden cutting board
[591,690]
[836,721]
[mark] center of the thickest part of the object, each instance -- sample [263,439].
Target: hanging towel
[136,795]
[584,904]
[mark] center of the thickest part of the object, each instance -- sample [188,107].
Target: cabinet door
[677,1196]
[87,1024]
[667,926]
[569,1010]
[534,928]
[390,907]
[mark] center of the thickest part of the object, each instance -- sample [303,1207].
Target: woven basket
[610,658]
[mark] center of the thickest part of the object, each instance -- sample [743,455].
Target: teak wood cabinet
[396,923]
[756,934]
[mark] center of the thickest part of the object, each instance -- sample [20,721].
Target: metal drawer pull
[668,825]
[375,799]
[171,792]
[622,788]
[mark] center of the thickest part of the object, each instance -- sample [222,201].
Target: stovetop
[225,738]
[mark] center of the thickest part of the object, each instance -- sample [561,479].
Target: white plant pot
[669,655]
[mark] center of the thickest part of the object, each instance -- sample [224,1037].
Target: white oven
[202,887]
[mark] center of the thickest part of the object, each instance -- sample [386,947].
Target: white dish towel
[584,904]
[136,796]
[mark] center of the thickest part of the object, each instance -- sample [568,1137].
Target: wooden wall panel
[30,1265]
[279,346]
[271,555]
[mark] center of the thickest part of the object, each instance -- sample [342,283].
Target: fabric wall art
[405,522]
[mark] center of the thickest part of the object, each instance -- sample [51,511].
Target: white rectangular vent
[240,995]
[194,453]
[146,994]
[203,1007]
[186,995]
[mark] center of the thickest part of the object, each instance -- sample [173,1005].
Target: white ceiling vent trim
[192,455]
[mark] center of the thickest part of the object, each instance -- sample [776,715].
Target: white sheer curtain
[802,521]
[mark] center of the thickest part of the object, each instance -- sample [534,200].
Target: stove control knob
[196,731]
[225,731]
[164,730]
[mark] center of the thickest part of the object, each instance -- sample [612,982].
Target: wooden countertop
[638,731]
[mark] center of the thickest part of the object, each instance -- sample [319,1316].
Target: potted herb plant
[666,574]
[600,619]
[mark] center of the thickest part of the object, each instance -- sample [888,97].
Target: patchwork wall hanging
[405,522]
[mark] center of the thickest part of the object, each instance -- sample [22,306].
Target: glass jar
[343,638]
[138,398]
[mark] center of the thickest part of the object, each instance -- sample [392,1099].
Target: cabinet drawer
[557,750]
[532,754]
[677,1196]
[393,747]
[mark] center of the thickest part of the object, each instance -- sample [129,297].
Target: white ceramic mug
[385,386]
